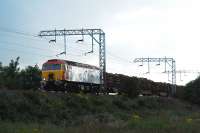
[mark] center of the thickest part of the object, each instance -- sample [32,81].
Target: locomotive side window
[51,67]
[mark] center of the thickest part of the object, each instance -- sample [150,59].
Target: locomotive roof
[59,61]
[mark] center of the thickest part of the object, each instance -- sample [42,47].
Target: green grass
[134,125]
[39,112]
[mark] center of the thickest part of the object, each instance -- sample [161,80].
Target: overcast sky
[134,28]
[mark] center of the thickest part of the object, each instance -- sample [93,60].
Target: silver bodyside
[83,74]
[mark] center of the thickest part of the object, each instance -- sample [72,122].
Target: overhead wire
[19,32]
[74,47]
[25,34]
[118,58]
[26,52]
[28,34]
[16,32]
[26,46]
[32,35]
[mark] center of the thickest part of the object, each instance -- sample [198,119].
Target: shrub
[192,91]
[12,78]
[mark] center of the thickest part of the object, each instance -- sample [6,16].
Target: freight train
[65,75]
[69,76]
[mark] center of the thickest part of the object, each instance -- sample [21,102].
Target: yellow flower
[35,130]
[189,120]
[136,117]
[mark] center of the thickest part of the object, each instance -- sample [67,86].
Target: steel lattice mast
[168,61]
[97,35]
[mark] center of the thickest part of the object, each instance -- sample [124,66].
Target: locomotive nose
[51,76]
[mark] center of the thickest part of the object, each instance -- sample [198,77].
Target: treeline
[191,91]
[11,77]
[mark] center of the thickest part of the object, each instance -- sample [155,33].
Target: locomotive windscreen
[51,67]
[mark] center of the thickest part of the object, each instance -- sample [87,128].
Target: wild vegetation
[34,111]
[192,91]
[12,78]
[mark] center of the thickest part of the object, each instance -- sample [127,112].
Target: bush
[12,78]
[192,91]
[30,78]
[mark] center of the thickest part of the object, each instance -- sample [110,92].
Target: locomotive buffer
[96,35]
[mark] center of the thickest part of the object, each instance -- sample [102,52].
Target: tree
[12,78]
[1,82]
[0,66]
[192,91]
[30,77]
[9,74]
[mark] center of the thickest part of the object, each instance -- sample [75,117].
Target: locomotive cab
[53,70]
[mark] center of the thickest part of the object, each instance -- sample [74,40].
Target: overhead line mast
[168,61]
[96,35]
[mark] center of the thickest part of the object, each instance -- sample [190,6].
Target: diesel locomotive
[65,75]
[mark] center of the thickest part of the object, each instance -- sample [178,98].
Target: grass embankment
[39,112]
